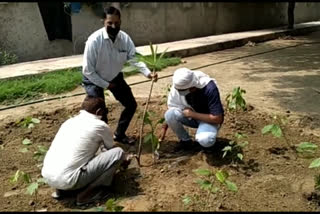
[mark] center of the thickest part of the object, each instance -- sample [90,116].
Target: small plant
[26,141]
[234,148]
[235,100]
[277,130]
[110,206]
[151,137]
[40,153]
[207,183]
[28,122]
[306,149]
[32,188]
[153,63]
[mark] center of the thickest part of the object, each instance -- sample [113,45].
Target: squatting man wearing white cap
[194,101]
[71,162]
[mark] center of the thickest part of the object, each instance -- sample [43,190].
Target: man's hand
[154,77]
[187,112]
[126,162]
[111,85]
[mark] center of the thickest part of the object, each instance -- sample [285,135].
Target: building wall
[158,22]
[22,32]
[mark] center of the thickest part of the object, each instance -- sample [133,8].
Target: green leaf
[148,138]
[267,129]
[26,142]
[315,163]
[231,186]
[204,184]
[306,147]
[30,126]
[111,205]
[231,142]
[186,200]
[227,148]
[41,181]
[160,121]
[32,188]
[152,51]
[243,144]
[26,177]
[240,156]
[35,120]
[204,172]
[162,54]
[24,150]
[42,149]
[15,177]
[276,131]
[239,135]
[222,176]
[147,119]
[224,154]
[155,55]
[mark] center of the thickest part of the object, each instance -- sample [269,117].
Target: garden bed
[270,178]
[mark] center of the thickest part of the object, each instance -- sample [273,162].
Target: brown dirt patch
[269,179]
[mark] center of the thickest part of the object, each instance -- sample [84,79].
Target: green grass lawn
[22,89]
[34,86]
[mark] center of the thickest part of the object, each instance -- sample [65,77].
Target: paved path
[183,48]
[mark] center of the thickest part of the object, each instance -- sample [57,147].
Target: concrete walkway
[181,48]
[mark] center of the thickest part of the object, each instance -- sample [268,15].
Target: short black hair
[92,104]
[111,11]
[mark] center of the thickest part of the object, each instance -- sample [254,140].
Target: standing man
[194,101]
[71,162]
[106,51]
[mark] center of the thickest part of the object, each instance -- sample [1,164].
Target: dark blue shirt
[206,100]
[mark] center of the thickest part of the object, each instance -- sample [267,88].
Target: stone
[11,193]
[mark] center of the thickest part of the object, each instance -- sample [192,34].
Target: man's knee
[117,154]
[172,115]
[130,104]
[206,139]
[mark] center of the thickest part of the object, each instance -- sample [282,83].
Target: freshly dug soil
[270,177]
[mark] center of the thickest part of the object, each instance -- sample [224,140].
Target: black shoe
[124,140]
[185,145]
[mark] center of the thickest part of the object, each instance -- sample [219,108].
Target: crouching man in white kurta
[71,162]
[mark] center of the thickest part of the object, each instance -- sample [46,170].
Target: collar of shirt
[105,34]
[84,113]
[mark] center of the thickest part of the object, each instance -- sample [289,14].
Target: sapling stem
[286,139]
[143,117]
